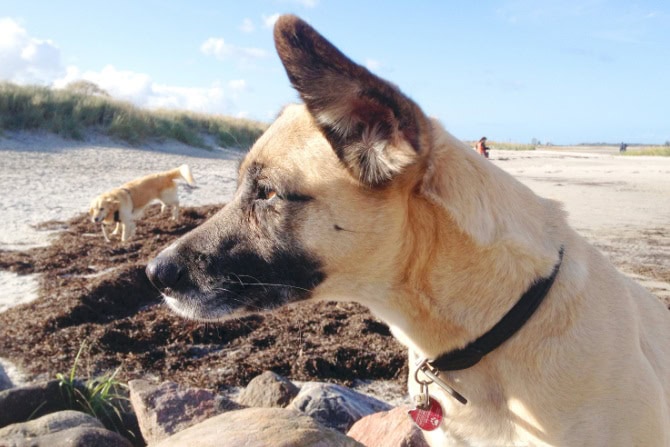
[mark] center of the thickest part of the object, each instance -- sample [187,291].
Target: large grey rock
[50,423]
[392,428]
[259,427]
[335,406]
[168,408]
[268,390]
[72,437]
[62,429]
[30,401]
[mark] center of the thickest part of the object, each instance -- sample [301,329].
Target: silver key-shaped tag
[424,367]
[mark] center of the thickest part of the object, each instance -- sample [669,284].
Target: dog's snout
[164,273]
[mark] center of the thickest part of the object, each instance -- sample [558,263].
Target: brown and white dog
[358,195]
[121,206]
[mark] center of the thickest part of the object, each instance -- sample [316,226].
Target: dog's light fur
[440,243]
[130,199]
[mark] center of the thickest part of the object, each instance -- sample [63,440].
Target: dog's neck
[450,278]
[503,330]
[458,304]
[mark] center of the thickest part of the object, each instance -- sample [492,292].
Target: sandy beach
[622,204]
[46,178]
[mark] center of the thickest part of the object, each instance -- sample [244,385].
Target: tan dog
[357,195]
[121,206]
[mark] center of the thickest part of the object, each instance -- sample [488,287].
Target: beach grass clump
[83,107]
[103,397]
[511,146]
[657,151]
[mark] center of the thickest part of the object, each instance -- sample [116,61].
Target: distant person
[482,148]
[623,147]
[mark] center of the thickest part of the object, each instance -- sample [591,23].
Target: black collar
[503,330]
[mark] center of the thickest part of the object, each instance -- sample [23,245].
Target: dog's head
[319,198]
[102,208]
[326,196]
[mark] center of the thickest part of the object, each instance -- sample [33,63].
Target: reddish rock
[391,428]
[168,408]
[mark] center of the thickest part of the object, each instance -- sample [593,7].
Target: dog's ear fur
[374,129]
[113,203]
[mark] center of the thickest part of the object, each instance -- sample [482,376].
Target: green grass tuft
[73,111]
[102,397]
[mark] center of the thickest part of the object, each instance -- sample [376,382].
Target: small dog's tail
[184,172]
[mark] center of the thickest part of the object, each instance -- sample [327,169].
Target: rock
[10,374]
[50,423]
[72,437]
[335,406]
[168,408]
[64,429]
[268,390]
[5,381]
[30,401]
[392,428]
[259,427]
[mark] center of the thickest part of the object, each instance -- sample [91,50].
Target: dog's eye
[265,193]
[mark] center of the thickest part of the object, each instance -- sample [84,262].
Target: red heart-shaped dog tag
[429,418]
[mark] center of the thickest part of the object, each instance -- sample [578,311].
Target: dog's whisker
[238,278]
[242,283]
[239,300]
[267,284]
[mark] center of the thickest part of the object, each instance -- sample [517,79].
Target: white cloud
[142,90]
[11,34]
[217,47]
[304,3]
[372,64]
[247,26]
[269,21]
[206,100]
[238,85]
[214,47]
[26,59]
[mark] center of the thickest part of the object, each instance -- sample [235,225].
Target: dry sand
[622,204]
[47,178]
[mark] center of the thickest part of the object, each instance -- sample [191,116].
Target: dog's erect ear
[374,129]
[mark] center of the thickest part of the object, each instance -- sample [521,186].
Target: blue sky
[565,71]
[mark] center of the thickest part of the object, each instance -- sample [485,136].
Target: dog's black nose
[164,273]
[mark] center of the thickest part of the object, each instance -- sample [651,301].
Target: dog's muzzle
[164,272]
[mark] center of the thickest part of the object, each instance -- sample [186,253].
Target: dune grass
[508,146]
[71,113]
[659,151]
